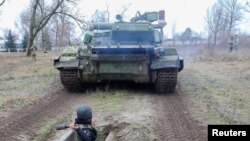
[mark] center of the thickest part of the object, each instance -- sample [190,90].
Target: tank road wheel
[70,80]
[166,80]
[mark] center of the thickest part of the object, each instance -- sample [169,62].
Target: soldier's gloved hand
[73,126]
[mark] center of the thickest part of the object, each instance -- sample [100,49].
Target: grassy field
[216,89]
[22,80]
[219,86]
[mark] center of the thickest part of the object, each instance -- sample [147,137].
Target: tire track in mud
[167,113]
[172,120]
[22,124]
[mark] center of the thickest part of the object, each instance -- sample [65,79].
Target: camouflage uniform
[33,52]
[231,43]
[236,42]
[86,132]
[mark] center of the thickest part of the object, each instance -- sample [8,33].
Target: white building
[17,49]
[2,47]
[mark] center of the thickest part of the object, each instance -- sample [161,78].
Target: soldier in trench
[84,124]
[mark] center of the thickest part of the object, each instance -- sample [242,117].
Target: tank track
[70,80]
[166,80]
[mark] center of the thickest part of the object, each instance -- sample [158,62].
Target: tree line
[10,41]
[222,22]
[45,22]
[53,23]
[56,23]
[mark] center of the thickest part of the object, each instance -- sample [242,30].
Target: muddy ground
[129,111]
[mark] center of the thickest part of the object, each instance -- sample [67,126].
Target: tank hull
[162,72]
[122,51]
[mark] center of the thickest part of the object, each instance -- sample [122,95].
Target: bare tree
[173,32]
[125,9]
[64,27]
[186,36]
[23,21]
[100,16]
[42,14]
[2,2]
[221,19]
[108,12]
[234,10]
[247,8]
[215,22]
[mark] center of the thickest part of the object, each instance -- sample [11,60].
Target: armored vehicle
[122,51]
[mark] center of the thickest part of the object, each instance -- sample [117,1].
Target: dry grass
[112,100]
[222,54]
[48,129]
[22,80]
[219,86]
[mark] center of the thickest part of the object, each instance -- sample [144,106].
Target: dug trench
[126,113]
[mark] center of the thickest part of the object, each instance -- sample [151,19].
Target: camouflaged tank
[122,51]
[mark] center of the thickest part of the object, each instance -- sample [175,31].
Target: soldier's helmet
[84,113]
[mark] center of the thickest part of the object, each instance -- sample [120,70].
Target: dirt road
[132,115]
[173,120]
[129,111]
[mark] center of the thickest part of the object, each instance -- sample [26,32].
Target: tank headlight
[140,68]
[92,69]
[81,67]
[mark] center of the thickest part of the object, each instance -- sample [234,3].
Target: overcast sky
[185,13]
